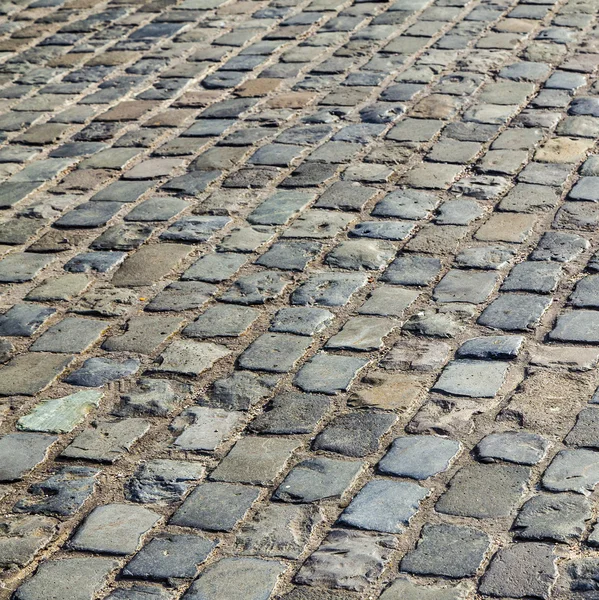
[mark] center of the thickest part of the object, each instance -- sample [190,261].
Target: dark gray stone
[289,256]
[412,269]
[533,276]
[255,288]
[24,319]
[96,372]
[240,390]
[447,551]
[274,352]
[182,295]
[518,447]
[222,320]
[328,289]
[152,397]
[577,326]
[572,471]
[22,452]
[406,204]
[515,312]
[95,261]
[301,321]
[491,347]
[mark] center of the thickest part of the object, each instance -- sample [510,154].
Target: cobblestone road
[299,299]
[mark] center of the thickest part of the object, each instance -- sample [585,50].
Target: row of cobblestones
[300,299]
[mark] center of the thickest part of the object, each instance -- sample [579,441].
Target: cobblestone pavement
[299,299]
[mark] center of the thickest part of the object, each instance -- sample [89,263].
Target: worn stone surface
[276,271]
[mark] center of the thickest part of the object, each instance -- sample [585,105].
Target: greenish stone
[60,415]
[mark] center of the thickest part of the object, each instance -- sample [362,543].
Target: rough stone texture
[259,259]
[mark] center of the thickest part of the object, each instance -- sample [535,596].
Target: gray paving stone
[278,530]
[533,276]
[255,460]
[159,208]
[169,556]
[76,578]
[222,320]
[289,256]
[577,326]
[585,432]
[291,413]
[447,550]
[477,379]
[585,292]
[182,295]
[114,529]
[386,230]
[22,452]
[521,570]
[515,312]
[518,447]
[388,301]
[361,254]
[405,589]
[355,434]
[189,357]
[317,479]
[106,441]
[30,373]
[465,286]
[318,224]
[419,456]
[553,517]
[279,208]
[492,347]
[384,505]
[215,506]
[560,247]
[255,288]
[23,266]
[484,491]
[143,335]
[406,204]
[301,321]
[215,267]
[89,215]
[63,493]
[71,335]
[95,261]
[163,480]
[274,352]
[412,269]
[24,319]
[96,372]
[23,536]
[240,391]
[237,579]
[363,334]
[572,471]
[349,560]
[328,289]
[345,195]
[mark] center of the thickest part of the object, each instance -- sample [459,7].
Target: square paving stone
[60,415]
[255,288]
[189,357]
[388,301]
[317,479]
[100,262]
[159,208]
[328,289]
[289,256]
[573,471]
[23,266]
[163,480]
[274,352]
[23,536]
[71,335]
[202,429]
[520,571]
[585,294]
[577,326]
[63,493]
[64,287]
[349,560]
[24,319]
[96,372]
[361,254]
[122,191]
[30,373]
[194,229]
[386,230]
[169,556]
[355,434]
[459,212]
[491,347]
[255,460]
[74,578]
[518,447]
[106,441]
[222,320]
[484,491]
[533,276]
[419,456]
[278,530]
[301,321]
[404,589]
[448,551]
[143,335]
[237,579]
[114,529]
[215,267]
[329,373]
[384,505]
[240,390]
[89,215]
[515,312]
[182,295]
[585,432]
[412,269]
[560,247]
[215,506]
[555,517]
[406,204]
[279,208]
[477,379]
[345,195]
[22,452]
[123,237]
[291,413]
[362,333]
[318,224]
[465,286]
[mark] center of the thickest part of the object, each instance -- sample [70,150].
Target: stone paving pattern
[299,299]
